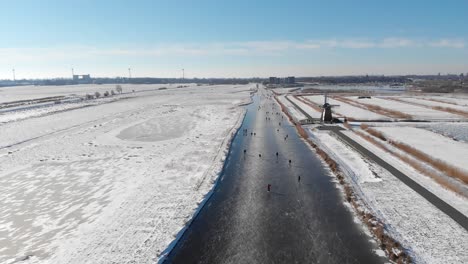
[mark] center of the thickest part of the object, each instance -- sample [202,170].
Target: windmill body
[327,115]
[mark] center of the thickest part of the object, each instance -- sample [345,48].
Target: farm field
[115,181]
[432,144]
[432,236]
[17,93]
[347,110]
[436,104]
[416,112]
[461,100]
[432,152]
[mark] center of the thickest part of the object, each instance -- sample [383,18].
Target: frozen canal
[296,222]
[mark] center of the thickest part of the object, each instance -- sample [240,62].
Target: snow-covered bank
[306,108]
[429,235]
[296,114]
[112,182]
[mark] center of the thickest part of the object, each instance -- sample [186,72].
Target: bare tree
[118,88]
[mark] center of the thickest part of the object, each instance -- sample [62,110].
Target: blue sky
[232,38]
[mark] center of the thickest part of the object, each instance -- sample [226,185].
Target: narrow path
[296,222]
[432,198]
[300,109]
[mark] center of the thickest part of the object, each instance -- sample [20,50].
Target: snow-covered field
[34,110]
[429,234]
[285,90]
[457,131]
[422,101]
[16,93]
[452,99]
[347,110]
[357,87]
[418,112]
[295,113]
[433,144]
[112,182]
[306,108]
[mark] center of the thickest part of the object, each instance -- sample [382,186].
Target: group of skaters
[245,132]
[268,118]
[269,186]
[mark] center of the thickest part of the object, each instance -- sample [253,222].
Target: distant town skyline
[232,39]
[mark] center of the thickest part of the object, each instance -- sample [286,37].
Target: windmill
[327,110]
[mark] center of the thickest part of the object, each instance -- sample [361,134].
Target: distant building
[290,80]
[82,77]
[286,80]
[85,78]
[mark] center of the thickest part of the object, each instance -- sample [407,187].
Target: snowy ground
[306,108]
[15,93]
[418,112]
[295,113]
[358,87]
[285,90]
[347,110]
[113,182]
[459,99]
[11,114]
[433,144]
[429,234]
[422,101]
[457,131]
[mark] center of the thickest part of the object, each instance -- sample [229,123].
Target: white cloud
[448,43]
[398,43]
[11,56]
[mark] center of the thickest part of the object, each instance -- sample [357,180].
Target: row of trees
[118,88]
